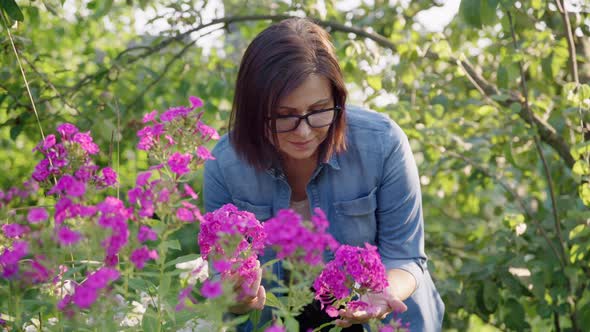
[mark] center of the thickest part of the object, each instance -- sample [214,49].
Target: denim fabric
[370,193]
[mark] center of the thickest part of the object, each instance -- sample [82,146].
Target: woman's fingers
[342,323]
[260,299]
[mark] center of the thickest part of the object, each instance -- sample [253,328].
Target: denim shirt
[369,193]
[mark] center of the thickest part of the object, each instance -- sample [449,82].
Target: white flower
[520,229]
[65,288]
[199,324]
[199,270]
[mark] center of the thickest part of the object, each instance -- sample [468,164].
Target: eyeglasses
[315,119]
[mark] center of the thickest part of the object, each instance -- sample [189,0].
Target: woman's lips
[301,145]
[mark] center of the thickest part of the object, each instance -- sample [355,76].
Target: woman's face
[303,142]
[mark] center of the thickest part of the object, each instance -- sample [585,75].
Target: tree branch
[514,194]
[524,88]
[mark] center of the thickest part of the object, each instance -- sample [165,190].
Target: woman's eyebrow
[319,102]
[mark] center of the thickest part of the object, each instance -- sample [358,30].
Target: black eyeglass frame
[305,117]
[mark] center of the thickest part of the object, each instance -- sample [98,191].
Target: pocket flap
[262,212]
[357,207]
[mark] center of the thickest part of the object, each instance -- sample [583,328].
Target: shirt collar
[276,171]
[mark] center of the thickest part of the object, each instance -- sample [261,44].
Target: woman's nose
[303,129]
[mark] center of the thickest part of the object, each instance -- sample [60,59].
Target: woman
[294,143]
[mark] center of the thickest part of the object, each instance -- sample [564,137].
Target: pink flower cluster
[232,240]
[114,216]
[291,237]
[177,126]
[86,293]
[70,154]
[11,195]
[353,269]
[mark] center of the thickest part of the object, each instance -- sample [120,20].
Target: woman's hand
[380,305]
[253,297]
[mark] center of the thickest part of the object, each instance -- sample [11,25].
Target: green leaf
[488,12]
[164,286]
[291,324]
[514,315]
[584,192]
[173,244]
[470,11]
[15,131]
[375,82]
[502,77]
[182,259]
[581,167]
[150,320]
[12,9]
[273,301]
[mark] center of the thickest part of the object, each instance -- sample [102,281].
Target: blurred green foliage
[504,165]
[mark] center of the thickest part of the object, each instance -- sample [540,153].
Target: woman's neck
[299,172]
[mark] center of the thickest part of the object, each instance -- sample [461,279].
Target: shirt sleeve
[215,192]
[400,236]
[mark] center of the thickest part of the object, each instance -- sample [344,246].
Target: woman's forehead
[315,90]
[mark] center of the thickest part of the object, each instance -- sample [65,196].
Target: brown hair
[277,61]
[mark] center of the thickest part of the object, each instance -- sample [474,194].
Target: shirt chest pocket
[262,212]
[355,220]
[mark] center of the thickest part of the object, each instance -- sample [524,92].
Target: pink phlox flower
[299,240]
[67,237]
[111,206]
[163,195]
[109,176]
[196,102]
[111,260]
[228,221]
[67,130]
[37,215]
[357,305]
[14,230]
[188,191]
[211,289]
[275,328]
[140,255]
[64,302]
[49,142]
[134,194]
[62,210]
[86,143]
[38,273]
[174,112]
[70,185]
[102,277]
[170,140]
[203,153]
[84,296]
[147,207]
[146,234]
[331,311]
[207,132]
[179,162]
[149,135]
[150,117]
[185,215]
[386,328]
[41,171]
[222,265]
[86,172]
[194,209]
[9,258]
[360,267]
[248,272]
[185,293]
